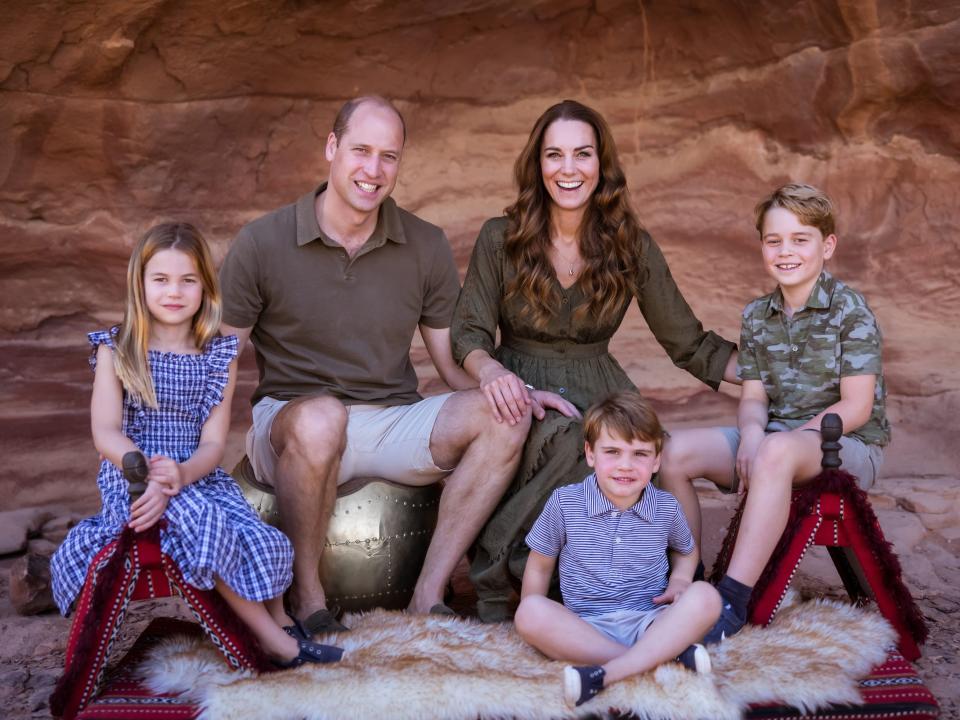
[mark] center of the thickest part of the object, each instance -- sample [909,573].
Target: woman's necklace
[572,266]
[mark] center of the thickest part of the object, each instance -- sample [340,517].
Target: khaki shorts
[390,442]
[856,457]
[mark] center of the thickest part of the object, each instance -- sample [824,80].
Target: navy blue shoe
[697,659]
[311,652]
[728,624]
[582,683]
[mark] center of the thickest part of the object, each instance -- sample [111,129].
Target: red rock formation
[114,115]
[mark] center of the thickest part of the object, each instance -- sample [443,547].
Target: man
[330,290]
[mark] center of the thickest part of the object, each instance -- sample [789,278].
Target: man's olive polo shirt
[323,321]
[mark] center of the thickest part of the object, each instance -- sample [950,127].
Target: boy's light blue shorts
[625,626]
[856,457]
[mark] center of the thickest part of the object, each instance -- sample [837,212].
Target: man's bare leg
[486,454]
[309,435]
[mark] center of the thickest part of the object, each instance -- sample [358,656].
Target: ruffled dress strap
[218,355]
[101,337]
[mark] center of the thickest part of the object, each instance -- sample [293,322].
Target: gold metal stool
[377,540]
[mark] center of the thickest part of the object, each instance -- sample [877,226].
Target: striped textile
[610,560]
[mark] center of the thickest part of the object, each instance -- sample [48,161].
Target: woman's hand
[166,473]
[505,392]
[541,400]
[750,440]
[148,508]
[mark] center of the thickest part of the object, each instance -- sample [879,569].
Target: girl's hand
[506,393]
[149,508]
[542,399]
[674,589]
[166,473]
[750,441]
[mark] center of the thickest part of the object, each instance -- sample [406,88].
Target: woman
[556,276]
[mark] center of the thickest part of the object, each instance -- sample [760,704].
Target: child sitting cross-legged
[619,540]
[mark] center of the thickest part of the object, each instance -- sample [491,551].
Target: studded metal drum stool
[377,539]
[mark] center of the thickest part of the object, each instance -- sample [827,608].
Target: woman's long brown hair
[609,235]
[131,362]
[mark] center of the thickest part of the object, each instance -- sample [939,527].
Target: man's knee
[312,427]
[790,451]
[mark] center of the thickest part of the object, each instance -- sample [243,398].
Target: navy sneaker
[728,624]
[582,683]
[696,658]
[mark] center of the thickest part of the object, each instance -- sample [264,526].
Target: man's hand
[149,508]
[541,400]
[167,474]
[674,589]
[751,438]
[505,392]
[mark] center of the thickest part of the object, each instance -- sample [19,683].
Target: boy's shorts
[389,442]
[856,457]
[625,626]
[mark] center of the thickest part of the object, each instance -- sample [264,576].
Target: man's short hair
[625,414]
[811,206]
[342,122]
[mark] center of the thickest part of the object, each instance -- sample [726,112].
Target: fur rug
[413,667]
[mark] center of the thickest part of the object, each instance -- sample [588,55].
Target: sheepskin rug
[413,667]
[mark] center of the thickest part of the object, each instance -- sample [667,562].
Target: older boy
[612,534]
[810,347]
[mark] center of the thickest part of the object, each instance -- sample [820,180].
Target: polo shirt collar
[389,225]
[821,295]
[598,504]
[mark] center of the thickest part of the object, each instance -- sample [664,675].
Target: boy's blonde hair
[625,414]
[811,206]
[130,361]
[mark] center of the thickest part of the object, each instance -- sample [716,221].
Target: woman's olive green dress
[569,356]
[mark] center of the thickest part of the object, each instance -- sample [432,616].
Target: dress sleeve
[701,353]
[98,338]
[220,353]
[477,314]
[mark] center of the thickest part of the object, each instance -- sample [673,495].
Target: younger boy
[810,347]
[612,533]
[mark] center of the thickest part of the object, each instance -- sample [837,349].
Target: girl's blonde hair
[130,361]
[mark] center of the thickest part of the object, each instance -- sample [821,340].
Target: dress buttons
[562,391]
[617,540]
[794,348]
[563,300]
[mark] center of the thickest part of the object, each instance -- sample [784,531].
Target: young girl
[162,385]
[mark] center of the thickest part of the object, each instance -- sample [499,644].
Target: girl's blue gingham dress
[211,529]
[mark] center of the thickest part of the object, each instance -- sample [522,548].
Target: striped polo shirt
[610,559]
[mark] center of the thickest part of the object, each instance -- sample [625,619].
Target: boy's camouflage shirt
[800,360]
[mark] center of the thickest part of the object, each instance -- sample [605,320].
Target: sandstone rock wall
[114,115]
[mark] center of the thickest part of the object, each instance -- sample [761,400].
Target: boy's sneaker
[582,683]
[696,658]
[728,624]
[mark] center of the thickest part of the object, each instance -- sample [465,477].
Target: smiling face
[570,164]
[623,467]
[365,162]
[794,253]
[172,288]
